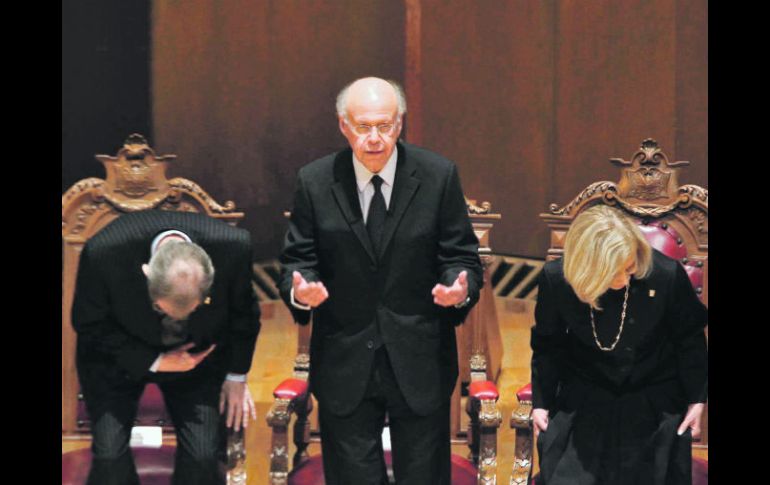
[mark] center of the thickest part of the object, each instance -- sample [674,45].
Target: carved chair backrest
[135,180]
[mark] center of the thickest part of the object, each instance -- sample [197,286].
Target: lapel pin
[207,301]
[652,293]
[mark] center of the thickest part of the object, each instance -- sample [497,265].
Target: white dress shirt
[365,189]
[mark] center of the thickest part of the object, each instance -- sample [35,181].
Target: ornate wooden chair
[673,218]
[480,355]
[136,180]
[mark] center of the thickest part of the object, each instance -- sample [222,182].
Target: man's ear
[146,269]
[343,126]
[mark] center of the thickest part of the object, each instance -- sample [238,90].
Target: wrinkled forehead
[372,100]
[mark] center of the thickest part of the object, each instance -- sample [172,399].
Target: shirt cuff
[154,366]
[463,304]
[236,377]
[296,304]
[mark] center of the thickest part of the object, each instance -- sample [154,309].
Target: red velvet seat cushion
[290,388]
[154,465]
[310,472]
[483,390]
[525,393]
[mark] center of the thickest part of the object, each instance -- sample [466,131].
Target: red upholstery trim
[525,393]
[290,389]
[151,410]
[666,240]
[310,472]
[483,390]
[700,471]
[464,472]
[154,465]
[696,275]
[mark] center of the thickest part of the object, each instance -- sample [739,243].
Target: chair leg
[236,457]
[302,429]
[521,420]
[489,419]
[472,409]
[278,419]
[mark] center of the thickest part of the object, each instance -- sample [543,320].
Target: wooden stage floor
[273,361]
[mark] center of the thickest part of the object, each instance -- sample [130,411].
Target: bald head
[371,92]
[370,112]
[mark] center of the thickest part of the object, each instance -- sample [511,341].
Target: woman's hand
[692,420]
[539,420]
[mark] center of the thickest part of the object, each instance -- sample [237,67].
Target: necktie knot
[377,182]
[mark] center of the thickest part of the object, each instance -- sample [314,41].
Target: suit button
[628,349]
[370,345]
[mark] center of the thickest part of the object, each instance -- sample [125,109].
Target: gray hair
[342,98]
[181,272]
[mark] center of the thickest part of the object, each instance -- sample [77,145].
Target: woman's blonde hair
[599,242]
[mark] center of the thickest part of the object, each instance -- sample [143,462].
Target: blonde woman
[619,362]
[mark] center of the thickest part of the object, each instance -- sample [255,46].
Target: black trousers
[192,404]
[352,445]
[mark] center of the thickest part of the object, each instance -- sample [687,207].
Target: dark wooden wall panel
[244,92]
[488,105]
[105,81]
[692,89]
[529,98]
[615,85]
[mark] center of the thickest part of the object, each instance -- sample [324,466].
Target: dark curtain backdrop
[530,99]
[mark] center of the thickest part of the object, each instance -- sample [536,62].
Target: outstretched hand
[311,294]
[451,295]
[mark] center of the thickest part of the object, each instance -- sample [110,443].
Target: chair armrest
[291,389]
[291,396]
[485,418]
[483,390]
[521,421]
[521,418]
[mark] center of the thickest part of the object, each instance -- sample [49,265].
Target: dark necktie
[375,219]
[173,332]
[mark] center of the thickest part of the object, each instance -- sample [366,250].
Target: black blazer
[112,313]
[663,342]
[427,239]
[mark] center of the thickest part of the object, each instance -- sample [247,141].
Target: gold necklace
[620,331]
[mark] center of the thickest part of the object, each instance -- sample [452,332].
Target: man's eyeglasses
[363,130]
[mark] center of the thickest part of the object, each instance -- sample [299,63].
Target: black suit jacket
[427,239]
[663,344]
[118,330]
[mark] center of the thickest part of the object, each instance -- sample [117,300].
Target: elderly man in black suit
[165,297]
[381,251]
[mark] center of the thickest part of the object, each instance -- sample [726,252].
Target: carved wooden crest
[135,180]
[135,172]
[648,188]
